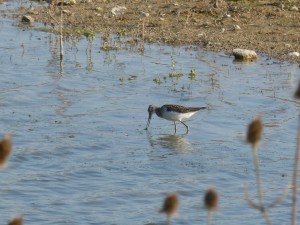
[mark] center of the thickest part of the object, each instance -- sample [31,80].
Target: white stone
[236,27]
[118,10]
[244,54]
[297,54]
[144,14]
[27,19]
[99,9]
[71,2]
[68,12]
[294,8]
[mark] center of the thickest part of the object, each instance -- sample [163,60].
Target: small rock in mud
[294,8]
[297,54]
[244,54]
[71,2]
[236,27]
[144,14]
[99,9]
[27,19]
[68,12]
[118,10]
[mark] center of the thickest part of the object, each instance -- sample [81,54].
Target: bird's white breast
[175,116]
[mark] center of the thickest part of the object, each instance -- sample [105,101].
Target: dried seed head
[255,129]
[170,204]
[211,199]
[5,148]
[16,221]
[297,93]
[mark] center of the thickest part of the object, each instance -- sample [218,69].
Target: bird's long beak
[148,123]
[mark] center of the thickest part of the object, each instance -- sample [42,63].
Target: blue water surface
[81,154]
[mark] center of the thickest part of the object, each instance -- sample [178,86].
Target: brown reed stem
[143,36]
[169,220]
[257,172]
[209,215]
[258,181]
[61,36]
[295,177]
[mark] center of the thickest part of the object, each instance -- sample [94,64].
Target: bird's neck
[158,111]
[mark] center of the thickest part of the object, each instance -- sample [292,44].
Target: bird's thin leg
[187,127]
[175,127]
[169,220]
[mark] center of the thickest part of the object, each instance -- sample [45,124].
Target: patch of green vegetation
[109,48]
[46,29]
[90,35]
[157,80]
[122,32]
[192,74]
[175,75]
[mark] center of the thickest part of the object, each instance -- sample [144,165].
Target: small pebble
[118,10]
[297,54]
[144,14]
[236,27]
[27,19]
[99,9]
[68,12]
[294,8]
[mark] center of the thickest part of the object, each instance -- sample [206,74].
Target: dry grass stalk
[16,221]
[211,201]
[5,149]
[61,36]
[170,206]
[143,36]
[254,135]
[297,93]
[295,175]
[255,129]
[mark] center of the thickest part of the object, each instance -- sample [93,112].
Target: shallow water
[81,154]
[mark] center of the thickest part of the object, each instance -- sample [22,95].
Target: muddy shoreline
[267,27]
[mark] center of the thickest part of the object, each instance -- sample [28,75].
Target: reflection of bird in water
[175,142]
[170,206]
[173,113]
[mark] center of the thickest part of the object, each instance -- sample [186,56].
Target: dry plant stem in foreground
[295,176]
[211,201]
[16,221]
[262,208]
[254,134]
[5,149]
[61,36]
[170,206]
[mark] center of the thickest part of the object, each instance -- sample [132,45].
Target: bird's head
[151,110]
